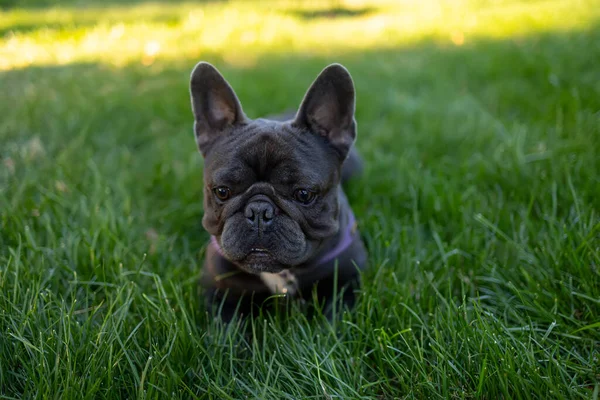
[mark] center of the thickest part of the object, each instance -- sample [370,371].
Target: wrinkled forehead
[267,148]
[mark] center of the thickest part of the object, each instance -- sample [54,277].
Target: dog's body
[273,201]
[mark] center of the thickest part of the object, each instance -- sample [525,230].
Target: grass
[480,123]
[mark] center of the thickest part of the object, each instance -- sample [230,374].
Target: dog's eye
[222,193]
[304,196]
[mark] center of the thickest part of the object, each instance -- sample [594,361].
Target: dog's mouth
[260,259]
[258,255]
[259,251]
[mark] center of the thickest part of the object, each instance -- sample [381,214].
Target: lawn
[479,204]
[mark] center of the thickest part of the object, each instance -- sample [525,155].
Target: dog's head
[271,188]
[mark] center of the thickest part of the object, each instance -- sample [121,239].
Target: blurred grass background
[117,32]
[480,124]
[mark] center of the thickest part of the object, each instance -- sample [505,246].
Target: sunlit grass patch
[241,31]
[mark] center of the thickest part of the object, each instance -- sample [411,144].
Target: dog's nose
[259,213]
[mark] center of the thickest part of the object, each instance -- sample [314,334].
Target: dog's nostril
[250,214]
[268,213]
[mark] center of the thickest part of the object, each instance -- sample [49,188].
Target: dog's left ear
[328,109]
[214,103]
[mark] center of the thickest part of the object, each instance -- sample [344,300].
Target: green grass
[479,204]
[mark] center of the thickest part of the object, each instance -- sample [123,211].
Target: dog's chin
[257,262]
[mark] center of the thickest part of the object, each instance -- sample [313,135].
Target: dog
[279,220]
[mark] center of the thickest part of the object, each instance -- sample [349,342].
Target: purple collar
[332,254]
[343,244]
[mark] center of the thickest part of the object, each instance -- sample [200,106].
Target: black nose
[259,213]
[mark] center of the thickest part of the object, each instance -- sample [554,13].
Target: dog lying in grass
[274,206]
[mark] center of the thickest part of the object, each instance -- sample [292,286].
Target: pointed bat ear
[328,108]
[214,103]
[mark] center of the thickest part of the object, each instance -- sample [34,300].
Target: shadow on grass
[331,13]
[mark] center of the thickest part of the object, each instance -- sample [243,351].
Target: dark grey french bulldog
[273,201]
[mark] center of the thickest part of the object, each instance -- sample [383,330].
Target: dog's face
[271,188]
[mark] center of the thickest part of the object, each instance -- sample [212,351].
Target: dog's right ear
[214,103]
